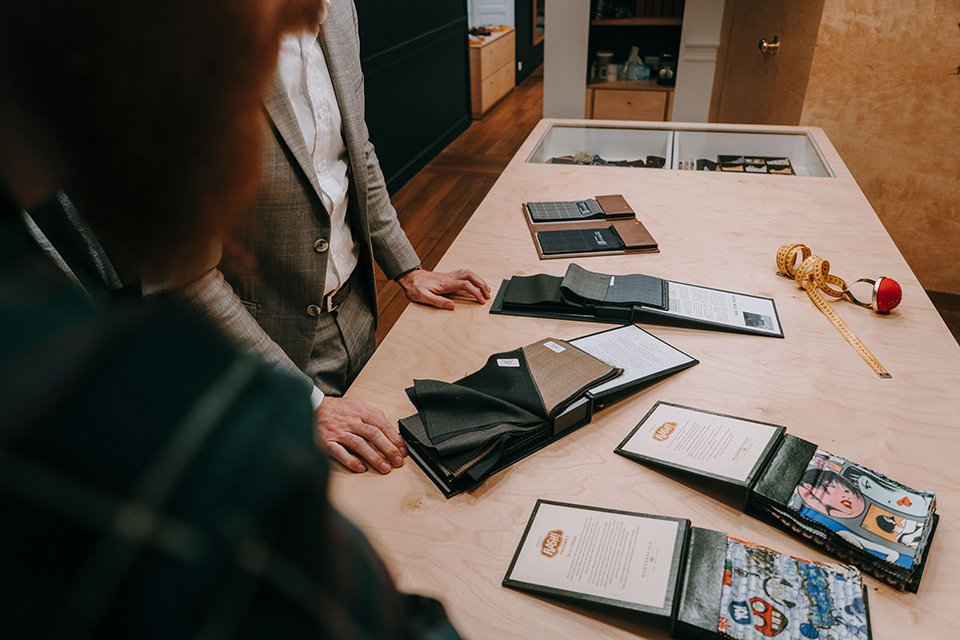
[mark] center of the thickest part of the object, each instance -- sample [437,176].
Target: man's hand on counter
[429,287]
[358,435]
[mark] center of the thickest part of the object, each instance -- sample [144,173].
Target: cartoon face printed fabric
[866,509]
[767,594]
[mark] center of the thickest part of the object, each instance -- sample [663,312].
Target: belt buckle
[328,305]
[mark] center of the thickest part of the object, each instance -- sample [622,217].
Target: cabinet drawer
[629,105]
[496,86]
[496,54]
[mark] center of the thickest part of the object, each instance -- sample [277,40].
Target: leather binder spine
[699,602]
[778,480]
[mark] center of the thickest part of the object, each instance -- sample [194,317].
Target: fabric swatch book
[862,517]
[569,240]
[697,582]
[581,294]
[524,399]
[598,208]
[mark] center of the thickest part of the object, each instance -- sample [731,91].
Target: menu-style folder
[862,517]
[581,239]
[581,294]
[523,400]
[598,208]
[697,582]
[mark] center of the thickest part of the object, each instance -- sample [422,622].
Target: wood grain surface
[718,230]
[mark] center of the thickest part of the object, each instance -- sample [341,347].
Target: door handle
[769,48]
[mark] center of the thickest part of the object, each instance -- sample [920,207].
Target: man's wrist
[406,273]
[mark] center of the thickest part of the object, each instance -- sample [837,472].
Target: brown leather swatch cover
[615,206]
[634,235]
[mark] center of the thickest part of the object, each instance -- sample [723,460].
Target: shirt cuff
[316,397]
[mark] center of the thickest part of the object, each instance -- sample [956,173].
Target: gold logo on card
[663,431]
[551,543]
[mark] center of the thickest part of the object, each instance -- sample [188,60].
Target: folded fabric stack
[466,430]
[593,294]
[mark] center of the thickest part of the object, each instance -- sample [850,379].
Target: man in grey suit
[304,296]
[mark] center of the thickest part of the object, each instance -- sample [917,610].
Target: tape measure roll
[812,274]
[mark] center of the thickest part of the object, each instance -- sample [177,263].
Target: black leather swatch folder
[856,514]
[581,294]
[522,400]
[699,583]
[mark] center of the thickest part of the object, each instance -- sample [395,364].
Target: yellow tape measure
[812,274]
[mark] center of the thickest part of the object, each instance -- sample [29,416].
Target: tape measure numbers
[813,276]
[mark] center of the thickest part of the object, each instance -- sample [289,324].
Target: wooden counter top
[715,229]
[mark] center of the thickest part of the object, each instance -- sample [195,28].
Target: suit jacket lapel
[280,111]
[345,77]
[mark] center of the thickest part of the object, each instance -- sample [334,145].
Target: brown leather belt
[333,300]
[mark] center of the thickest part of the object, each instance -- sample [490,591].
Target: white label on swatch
[508,362]
[553,346]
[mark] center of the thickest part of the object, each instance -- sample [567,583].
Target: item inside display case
[741,164]
[583,158]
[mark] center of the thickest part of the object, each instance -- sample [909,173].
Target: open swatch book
[581,294]
[524,399]
[697,582]
[854,513]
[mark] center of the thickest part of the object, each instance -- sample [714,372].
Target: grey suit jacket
[262,303]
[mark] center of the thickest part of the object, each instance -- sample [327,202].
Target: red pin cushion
[887,294]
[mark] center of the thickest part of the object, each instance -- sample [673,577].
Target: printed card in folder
[698,582]
[522,400]
[599,208]
[853,512]
[586,295]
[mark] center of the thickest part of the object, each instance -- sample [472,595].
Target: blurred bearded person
[154,482]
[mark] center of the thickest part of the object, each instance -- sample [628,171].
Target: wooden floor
[437,202]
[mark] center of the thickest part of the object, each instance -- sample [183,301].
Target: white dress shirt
[306,80]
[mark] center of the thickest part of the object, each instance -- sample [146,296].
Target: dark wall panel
[415,66]
[529,54]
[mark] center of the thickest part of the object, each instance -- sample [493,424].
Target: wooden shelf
[642,21]
[628,85]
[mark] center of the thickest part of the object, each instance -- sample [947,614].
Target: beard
[158,108]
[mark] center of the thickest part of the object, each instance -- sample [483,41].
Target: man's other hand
[429,287]
[358,435]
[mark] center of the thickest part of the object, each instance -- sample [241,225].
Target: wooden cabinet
[629,100]
[492,75]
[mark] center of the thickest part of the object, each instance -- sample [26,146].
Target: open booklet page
[865,508]
[701,442]
[640,354]
[724,308]
[767,594]
[613,557]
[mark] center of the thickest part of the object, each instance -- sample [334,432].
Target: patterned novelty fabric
[866,509]
[767,594]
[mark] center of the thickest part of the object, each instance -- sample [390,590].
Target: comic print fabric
[770,595]
[865,508]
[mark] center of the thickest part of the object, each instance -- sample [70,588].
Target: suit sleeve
[391,247]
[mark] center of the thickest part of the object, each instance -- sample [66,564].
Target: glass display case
[607,145]
[739,150]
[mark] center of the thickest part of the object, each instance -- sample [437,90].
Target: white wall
[481,12]
[697,61]
[566,31]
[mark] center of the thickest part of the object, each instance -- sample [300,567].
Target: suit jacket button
[321,245]
[313,310]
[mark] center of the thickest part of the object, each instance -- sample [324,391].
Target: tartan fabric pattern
[154,483]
